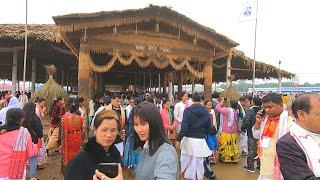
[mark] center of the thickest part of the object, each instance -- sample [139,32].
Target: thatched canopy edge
[81,21]
[261,65]
[41,32]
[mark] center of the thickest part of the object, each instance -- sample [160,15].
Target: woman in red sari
[71,133]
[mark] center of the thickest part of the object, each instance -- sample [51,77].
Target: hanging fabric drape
[160,63]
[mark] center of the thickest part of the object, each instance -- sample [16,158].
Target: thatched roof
[82,21]
[41,46]
[266,69]
[41,32]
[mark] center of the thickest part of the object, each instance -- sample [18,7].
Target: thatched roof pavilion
[42,49]
[127,47]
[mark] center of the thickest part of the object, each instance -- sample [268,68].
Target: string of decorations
[143,63]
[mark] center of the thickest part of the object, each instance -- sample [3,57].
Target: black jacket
[292,159]
[35,128]
[250,119]
[196,122]
[83,166]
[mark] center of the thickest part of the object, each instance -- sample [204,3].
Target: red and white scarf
[310,144]
[18,162]
[283,129]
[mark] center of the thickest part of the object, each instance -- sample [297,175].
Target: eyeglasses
[317,114]
[111,131]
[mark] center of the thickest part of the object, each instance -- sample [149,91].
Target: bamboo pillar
[68,81]
[159,85]
[33,74]
[228,70]
[102,85]
[144,81]
[170,89]
[62,78]
[208,71]
[96,83]
[150,82]
[84,73]
[71,81]
[180,82]
[91,85]
[14,71]
[193,86]
[164,85]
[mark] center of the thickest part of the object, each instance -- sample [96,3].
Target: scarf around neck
[310,144]
[268,131]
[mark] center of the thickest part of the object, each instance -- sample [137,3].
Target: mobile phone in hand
[111,170]
[263,113]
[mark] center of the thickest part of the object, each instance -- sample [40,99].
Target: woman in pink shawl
[228,131]
[15,146]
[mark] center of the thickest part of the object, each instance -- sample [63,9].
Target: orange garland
[268,131]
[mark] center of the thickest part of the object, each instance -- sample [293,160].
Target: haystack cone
[232,93]
[51,89]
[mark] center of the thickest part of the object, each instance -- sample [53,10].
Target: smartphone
[263,113]
[109,169]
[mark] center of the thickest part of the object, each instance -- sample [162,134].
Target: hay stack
[232,93]
[51,89]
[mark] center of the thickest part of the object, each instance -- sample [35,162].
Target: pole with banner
[250,13]
[25,53]
[254,52]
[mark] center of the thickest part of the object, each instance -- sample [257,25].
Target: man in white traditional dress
[299,150]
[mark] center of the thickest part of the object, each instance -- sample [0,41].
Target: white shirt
[91,109]
[128,110]
[178,111]
[159,106]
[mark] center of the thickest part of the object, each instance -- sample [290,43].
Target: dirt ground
[224,171]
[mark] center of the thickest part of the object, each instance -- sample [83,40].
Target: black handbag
[212,128]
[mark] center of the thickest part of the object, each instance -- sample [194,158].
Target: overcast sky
[288,30]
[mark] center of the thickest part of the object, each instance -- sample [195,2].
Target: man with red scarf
[272,122]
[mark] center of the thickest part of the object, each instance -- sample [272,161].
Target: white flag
[249,11]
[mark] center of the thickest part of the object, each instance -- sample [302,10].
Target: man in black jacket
[248,122]
[299,150]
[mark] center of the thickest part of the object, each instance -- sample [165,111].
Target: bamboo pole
[208,71]
[84,75]
[14,71]
[33,74]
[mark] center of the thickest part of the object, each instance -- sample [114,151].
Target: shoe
[214,177]
[251,170]
[257,169]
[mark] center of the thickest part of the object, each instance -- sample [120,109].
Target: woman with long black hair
[33,124]
[15,146]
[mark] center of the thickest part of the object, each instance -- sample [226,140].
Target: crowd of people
[155,137]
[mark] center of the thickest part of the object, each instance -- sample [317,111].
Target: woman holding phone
[159,159]
[99,153]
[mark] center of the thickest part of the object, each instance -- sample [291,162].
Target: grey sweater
[162,165]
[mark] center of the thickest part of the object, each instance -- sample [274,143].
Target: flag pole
[25,51]
[254,52]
